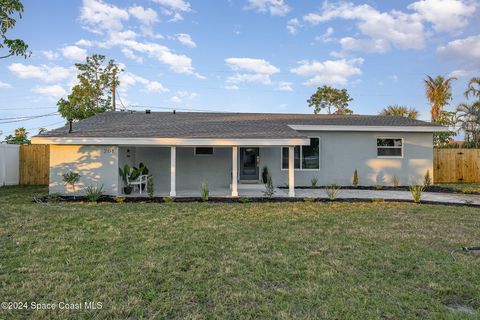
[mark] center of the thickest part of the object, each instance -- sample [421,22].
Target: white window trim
[389,157]
[301,155]
[203,155]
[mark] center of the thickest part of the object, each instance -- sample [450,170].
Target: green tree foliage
[71,178]
[19,137]
[402,111]
[473,88]
[92,94]
[9,9]
[327,97]
[439,93]
[468,114]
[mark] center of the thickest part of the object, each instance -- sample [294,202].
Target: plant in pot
[126,173]
[137,172]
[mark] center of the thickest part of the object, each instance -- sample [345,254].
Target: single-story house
[182,150]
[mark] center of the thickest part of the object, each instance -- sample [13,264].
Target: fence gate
[34,164]
[9,155]
[456,165]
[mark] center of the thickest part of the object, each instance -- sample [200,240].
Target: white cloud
[42,72]
[180,96]
[50,55]
[445,15]
[329,71]
[53,92]
[84,43]
[392,28]
[327,36]
[74,53]
[101,15]
[293,25]
[4,85]
[175,4]
[252,65]
[466,51]
[186,40]
[176,99]
[145,16]
[366,45]
[232,87]
[274,7]
[129,54]
[128,79]
[284,86]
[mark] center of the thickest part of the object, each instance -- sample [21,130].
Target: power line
[27,108]
[20,119]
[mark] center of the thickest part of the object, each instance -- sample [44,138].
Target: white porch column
[234,171]
[291,172]
[173,153]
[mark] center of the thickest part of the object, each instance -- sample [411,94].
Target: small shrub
[204,191]
[470,191]
[71,178]
[314,181]
[265,174]
[269,189]
[395,181]
[168,199]
[94,193]
[417,191]
[427,181]
[244,200]
[120,199]
[378,187]
[332,191]
[355,178]
[150,186]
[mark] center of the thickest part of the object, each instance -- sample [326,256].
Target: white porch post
[234,171]
[291,172]
[173,151]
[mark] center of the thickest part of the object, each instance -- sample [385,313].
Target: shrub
[94,193]
[150,187]
[332,191]
[314,181]
[378,187]
[427,181]
[204,191]
[168,199]
[416,191]
[71,178]
[265,174]
[244,200]
[120,199]
[269,189]
[355,178]
[396,181]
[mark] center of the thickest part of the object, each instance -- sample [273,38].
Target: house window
[305,157]
[390,147]
[203,151]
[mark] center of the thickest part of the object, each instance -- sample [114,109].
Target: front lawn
[205,260]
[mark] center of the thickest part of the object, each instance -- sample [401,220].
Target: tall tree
[19,137]
[468,120]
[473,88]
[402,111]
[439,94]
[93,93]
[327,97]
[9,10]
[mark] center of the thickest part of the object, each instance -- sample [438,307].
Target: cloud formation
[329,72]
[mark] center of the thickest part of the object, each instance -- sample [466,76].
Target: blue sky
[242,55]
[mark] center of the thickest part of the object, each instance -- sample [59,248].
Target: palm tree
[439,93]
[471,90]
[468,119]
[402,111]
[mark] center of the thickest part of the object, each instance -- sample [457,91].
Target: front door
[248,164]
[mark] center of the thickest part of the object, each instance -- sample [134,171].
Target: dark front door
[248,164]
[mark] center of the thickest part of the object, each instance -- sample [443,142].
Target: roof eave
[370,128]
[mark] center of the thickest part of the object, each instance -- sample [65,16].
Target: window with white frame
[390,147]
[305,157]
[203,151]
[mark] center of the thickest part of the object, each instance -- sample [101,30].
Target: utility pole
[113,88]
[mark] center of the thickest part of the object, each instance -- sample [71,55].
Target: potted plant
[137,172]
[126,174]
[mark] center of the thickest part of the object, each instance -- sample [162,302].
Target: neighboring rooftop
[218,125]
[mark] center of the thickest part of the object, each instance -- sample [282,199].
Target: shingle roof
[216,125]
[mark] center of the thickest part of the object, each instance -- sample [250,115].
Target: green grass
[463,187]
[204,260]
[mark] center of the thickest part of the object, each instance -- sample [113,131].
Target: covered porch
[229,171]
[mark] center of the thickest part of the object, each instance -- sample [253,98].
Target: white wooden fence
[9,164]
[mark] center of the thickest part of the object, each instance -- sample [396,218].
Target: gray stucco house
[230,150]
